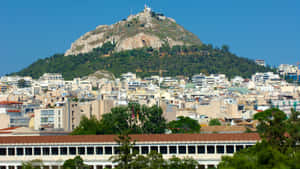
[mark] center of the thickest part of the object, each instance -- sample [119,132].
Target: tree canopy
[214,122]
[278,149]
[133,118]
[76,163]
[184,125]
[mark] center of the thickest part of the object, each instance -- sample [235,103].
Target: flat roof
[138,138]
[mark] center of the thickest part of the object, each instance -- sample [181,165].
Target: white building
[97,150]
[48,118]
[284,69]
[269,77]
[260,62]
[51,81]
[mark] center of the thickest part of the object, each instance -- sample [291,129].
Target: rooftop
[137,138]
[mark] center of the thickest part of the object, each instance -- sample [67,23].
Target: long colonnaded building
[96,150]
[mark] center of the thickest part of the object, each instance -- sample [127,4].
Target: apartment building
[51,118]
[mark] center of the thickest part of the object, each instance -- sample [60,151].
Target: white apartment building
[284,69]
[260,62]
[269,77]
[49,118]
[51,81]
[213,80]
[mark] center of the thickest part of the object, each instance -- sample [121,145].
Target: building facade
[97,150]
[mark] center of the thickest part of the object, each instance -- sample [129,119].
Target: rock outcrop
[146,29]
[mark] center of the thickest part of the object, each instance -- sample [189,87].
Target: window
[154,148]
[46,151]
[37,151]
[117,150]
[220,149]
[90,150]
[28,151]
[54,151]
[72,150]
[99,150]
[173,149]
[229,149]
[238,148]
[108,150]
[182,149]
[163,149]
[201,149]
[81,150]
[145,150]
[11,151]
[63,151]
[191,149]
[248,146]
[2,151]
[20,151]
[210,149]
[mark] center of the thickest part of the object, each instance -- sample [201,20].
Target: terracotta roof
[9,102]
[205,129]
[9,128]
[138,138]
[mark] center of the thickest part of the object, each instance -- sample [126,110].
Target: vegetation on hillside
[178,60]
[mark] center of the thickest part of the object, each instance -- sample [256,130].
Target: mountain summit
[145,29]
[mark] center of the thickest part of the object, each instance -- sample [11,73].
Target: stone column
[215,149]
[186,149]
[168,149]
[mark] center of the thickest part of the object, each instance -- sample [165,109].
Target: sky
[256,29]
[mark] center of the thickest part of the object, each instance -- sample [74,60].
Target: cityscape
[120,101]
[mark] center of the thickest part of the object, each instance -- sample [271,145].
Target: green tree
[214,122]
[277,150]
[125,157]
[87,126]
[186,163]
[132,118]
[273,127]
[184,125]
[22,83]
[76,163]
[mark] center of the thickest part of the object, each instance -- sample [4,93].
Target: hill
[145,29]
[178,60]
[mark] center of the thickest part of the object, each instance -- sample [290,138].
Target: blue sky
[257,29]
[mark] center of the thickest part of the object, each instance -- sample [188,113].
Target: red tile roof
[10,128]
[138,138]
[9,102]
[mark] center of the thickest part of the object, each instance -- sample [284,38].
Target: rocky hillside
[146,29]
